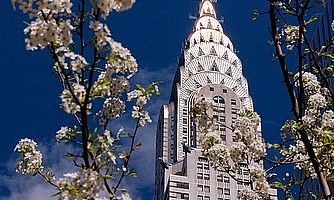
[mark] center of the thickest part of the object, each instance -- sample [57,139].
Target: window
[225,56]
[199,197]
[206,198]
[206,176]
[200,51]
[179,195]
[214,67]
[201,38]
[184,196]
[182,185]
[233,102]
[200,188]
[200,67]
[199,165]
[209,23]
[227,191]
[224,91]
[213,50]
[220,190]
[226,179]
[199,176]
[219,178]
[229,72]
[219,99]
[223,137]
[212,89]
[207,189]
[234,138]
[206,166]
[179,184]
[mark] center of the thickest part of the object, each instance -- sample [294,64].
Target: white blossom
[125,196]
[142,115]
[102,34]
[77,61]
[248,147]
[31,161]
[107,6]
[55,7]
[120,59]
[71,104]
[41,33]
[105,146]
[84,184]
[64,133]
[112,108]
[291,34]
[247,194]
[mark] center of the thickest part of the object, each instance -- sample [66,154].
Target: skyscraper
[208,68]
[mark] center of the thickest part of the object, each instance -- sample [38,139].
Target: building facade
[208,68]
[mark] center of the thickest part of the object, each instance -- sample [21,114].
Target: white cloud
[33,187]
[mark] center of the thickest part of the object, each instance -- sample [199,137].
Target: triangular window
[225,56]
[200,52]
[209,24]
[214,67]
[239,80]
[228,46]
[229,72]
[222,82]
[221,41]
[235,63]
[198,85]
[191,56]
[208,80]
[201,26]
[200,67]
[189,91]
[211,37]
[234,88]
[201,38]
[195,42]
[213,51]
[190,73]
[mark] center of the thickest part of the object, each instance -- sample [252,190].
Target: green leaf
[140,87]
[313,18]
[277,184]
[133,174]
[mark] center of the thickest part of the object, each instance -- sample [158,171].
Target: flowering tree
[94,71]
[307,70]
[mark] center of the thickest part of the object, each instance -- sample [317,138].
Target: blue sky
[154,32]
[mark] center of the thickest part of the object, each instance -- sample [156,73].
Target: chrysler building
[208,68]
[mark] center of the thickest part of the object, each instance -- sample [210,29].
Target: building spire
[206,8]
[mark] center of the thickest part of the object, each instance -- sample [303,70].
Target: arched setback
[224,113]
